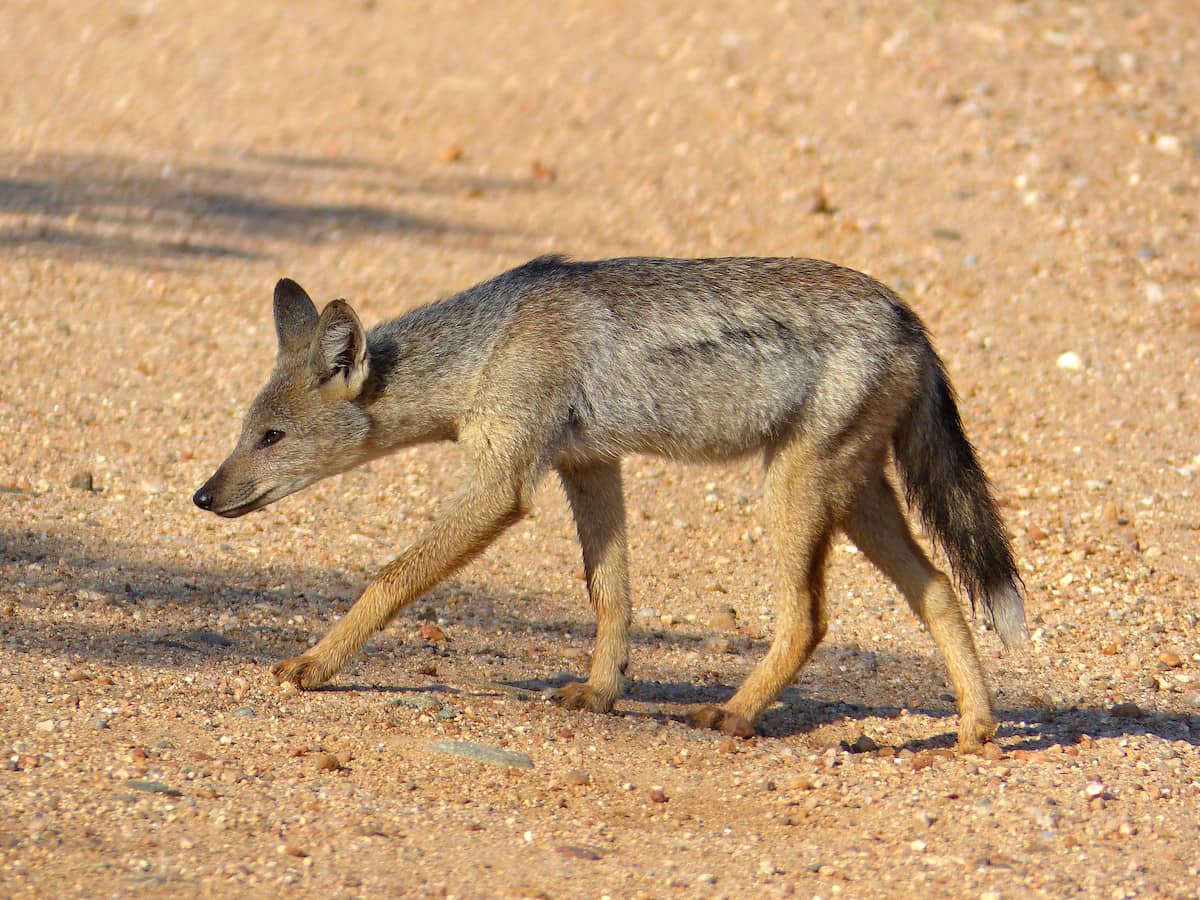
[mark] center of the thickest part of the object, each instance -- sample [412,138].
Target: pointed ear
[295,315]
[339,351]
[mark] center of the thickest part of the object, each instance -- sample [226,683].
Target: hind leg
[877,525]
[800,518]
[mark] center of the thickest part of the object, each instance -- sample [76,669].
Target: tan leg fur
[800,515]
[475,517]
[880,530]
[599,507]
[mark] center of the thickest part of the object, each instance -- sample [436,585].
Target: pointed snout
[216,496]
[206,496]
[203,498]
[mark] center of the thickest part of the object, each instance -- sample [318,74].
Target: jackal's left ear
[295,315]
[339,351]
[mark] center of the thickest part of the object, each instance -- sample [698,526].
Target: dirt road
[1026,174]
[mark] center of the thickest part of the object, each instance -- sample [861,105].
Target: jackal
[572,365]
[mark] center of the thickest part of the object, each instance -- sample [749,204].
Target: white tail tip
[1007,610]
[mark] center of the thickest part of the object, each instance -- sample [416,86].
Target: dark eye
[270,437]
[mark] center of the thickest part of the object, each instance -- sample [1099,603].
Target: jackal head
[306,423]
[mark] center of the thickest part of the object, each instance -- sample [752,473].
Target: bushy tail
[945,484]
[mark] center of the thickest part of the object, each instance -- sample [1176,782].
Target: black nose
[203,498]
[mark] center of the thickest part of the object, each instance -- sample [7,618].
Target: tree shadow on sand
[158,213]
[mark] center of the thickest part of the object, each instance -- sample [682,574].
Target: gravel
[1025,173]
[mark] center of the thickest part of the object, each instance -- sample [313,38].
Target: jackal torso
[696,359]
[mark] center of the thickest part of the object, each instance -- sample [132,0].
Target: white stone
[1071,361]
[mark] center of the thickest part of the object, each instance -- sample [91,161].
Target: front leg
[594,492]
[477,514]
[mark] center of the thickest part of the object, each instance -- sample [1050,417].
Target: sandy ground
[1027,174]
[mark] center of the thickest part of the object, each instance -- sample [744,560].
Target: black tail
[944,482]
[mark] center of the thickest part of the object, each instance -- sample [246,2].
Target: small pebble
[431,633]
[209,638]
[327,762]
[725,620]
[1070,361]
[947,234]
[1127,711]
[573,852]
[154,787]
[992,751]
[923,760]
[816,202]
[1169,144]
[1110,516]
[861,744]
[82,481]
[716,646]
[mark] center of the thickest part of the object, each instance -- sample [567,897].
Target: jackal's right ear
[339,352]
[295,316]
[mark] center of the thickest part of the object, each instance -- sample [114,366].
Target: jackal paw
[720,720]
[305,672]
[581,695]
[973,733]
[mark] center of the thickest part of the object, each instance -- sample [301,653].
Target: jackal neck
[421,366]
